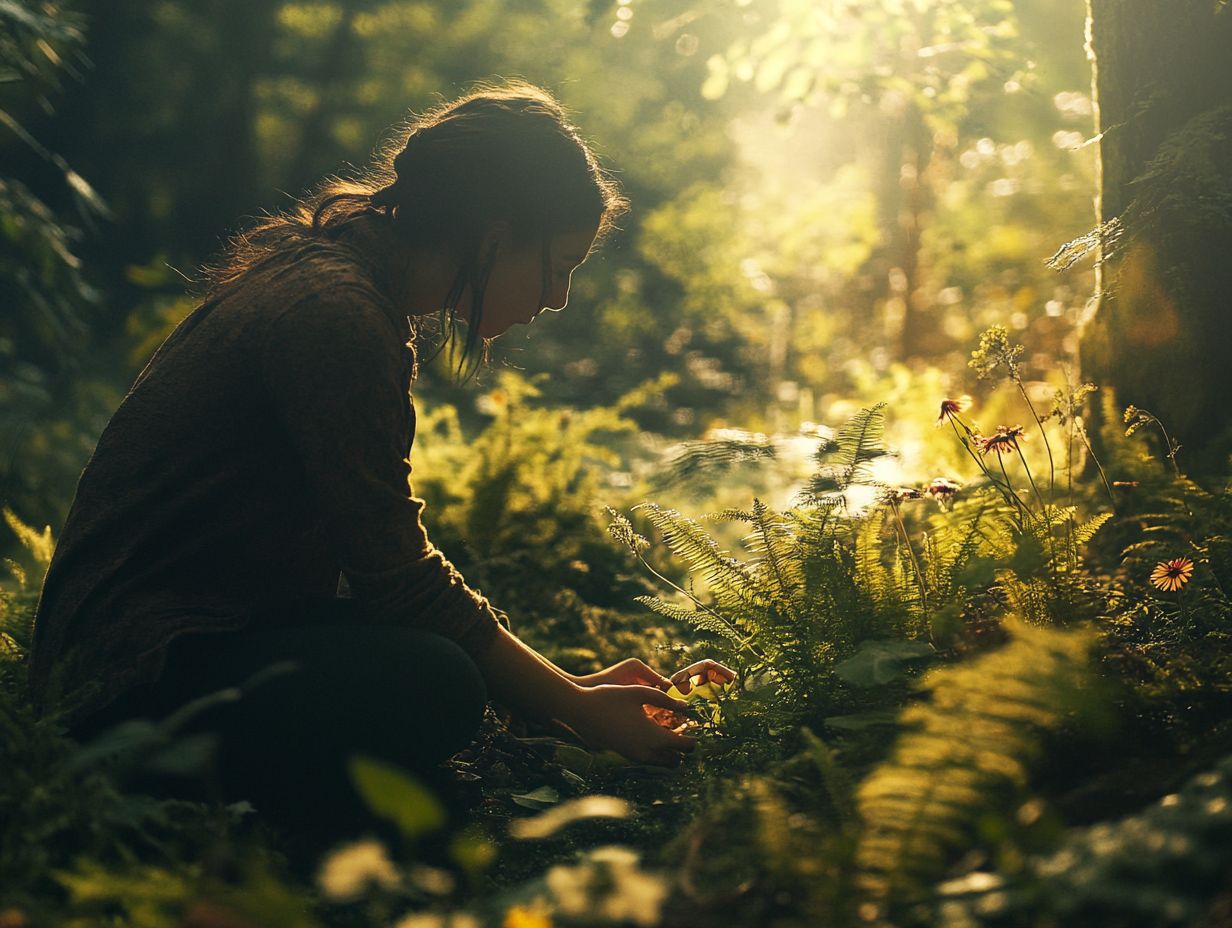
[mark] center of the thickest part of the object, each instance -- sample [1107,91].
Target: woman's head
[500,169]
[502,153]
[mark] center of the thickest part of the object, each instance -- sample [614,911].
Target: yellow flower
[522,917]
[1172,575]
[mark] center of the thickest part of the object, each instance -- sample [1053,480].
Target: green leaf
[554,819]
[876,663]
[473,851]
[541,798]
[575,759]
[708,690]
[9,648]
[393,794]
[862,721]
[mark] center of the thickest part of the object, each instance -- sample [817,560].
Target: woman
[258,466]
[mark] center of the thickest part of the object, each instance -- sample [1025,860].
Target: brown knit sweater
[260,454]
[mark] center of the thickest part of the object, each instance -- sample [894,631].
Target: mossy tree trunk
[1161,330]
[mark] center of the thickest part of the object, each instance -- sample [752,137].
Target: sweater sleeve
[337,379]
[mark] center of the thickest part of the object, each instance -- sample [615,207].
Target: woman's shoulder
[310,283]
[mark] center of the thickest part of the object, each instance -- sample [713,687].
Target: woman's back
[196,508]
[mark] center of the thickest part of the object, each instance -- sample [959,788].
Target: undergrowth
[991,698]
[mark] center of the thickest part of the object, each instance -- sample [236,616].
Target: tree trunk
[1161,328]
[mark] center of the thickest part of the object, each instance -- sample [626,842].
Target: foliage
[922,660]
[1161,866]
[934,54]
[965,751]
[515,507]
[47,298]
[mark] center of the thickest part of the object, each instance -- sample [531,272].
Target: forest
[900,390]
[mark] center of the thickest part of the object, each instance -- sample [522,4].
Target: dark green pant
[335,688]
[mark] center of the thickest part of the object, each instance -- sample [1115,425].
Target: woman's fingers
[706,671]
[676,742]
[629,672]
[639,671]
[649,696]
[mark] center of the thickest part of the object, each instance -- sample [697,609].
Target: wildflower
[348,871]
[1067,404]
[1172,575]
[1003,440]
[951,409]
[610,884]
[943,490]
[995,351]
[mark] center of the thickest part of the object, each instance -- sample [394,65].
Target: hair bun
[403,161]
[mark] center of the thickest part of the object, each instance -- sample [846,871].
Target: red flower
[1003,440]
[943,490]
[943,486]
[952,408]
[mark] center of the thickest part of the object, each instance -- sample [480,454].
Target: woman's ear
[497,237]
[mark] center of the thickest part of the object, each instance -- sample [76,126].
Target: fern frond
[974,741]
[39,544]
[731,582]
[872,574]
[846,459]
[730,515]
[1027,596]
[706,621]
[692,462]
[772,543]
[1086,531]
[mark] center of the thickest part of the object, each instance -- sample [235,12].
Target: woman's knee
[414,686]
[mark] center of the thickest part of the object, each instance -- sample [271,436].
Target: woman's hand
[614,716]
[631,672]
[701,673]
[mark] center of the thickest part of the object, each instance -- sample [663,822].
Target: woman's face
[525,281]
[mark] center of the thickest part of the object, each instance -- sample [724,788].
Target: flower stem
[1052,473]
[915,564]
[1026,510]
[1005,490]
[1086,441]
[745,642]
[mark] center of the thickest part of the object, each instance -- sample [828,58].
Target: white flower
[346,873]
[608,884]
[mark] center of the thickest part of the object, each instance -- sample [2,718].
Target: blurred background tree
[826,196]
[48,419]
[1162,78]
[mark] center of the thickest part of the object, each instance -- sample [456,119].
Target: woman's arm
[604,716]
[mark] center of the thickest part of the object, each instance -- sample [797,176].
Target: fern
[39,544]
[972,743]
[1088,529]
[731,582]
[695,463]
[703,618]
[845,460]
[773,544]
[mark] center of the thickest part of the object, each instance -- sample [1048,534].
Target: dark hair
[502,152]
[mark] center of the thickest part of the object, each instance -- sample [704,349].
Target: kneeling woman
[259,464]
